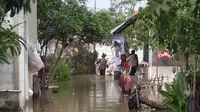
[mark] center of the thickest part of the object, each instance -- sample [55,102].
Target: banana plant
[177,93]
[10,45]
[10,42]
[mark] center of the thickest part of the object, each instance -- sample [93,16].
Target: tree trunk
[56,47]
[186,56]
[146,53]
[152,103]
[93,67]
[194,82]
[36,86]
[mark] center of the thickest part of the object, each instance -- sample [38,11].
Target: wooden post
[36,86]
[157,77]
[137,96]
[152,104]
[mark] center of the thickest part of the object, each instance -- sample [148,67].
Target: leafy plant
[10,42]
[15,6]
[62,71]
[10,45]
[170,24]
[177,93]
[61,21]
[84,61]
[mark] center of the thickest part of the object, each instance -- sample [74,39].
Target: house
[15,79]
[157,67]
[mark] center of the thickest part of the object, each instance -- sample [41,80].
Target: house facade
[15,79]
[157,68]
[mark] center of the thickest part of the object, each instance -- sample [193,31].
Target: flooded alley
[90,93]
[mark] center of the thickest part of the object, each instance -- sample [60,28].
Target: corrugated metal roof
[124,25]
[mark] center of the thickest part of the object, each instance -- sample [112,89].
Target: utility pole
[95,9]
[95,5]
[111,3]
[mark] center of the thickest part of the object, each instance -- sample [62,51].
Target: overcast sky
[105,4]
[100,4]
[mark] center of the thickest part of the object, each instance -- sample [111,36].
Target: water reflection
[86,94]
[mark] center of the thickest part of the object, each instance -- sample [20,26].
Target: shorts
[132,70]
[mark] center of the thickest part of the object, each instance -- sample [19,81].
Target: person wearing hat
[102,64]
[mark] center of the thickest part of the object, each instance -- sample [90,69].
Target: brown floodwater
[90,93]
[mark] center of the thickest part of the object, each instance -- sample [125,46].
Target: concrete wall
[165,71]
[6,77]
[11,76]
[21,61]
[158,68]
[170,62]
[164,68]
[7,83]
[15,77]
[31,33]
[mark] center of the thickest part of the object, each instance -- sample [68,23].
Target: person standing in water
[125,63]
[133,63]
[102,64]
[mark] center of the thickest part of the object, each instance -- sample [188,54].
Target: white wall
[28,31]
[31,35]
[6,71]
[6,77]
[107,50]
[15,76]
[21,60]
[166,71]
[32,24]
[104,49]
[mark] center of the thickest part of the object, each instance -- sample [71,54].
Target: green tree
[173,25]
[61,21]
[125,6]
[10,45]
[58,20]
[169,24]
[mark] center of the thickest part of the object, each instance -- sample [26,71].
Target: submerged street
[46,42]
[90,93]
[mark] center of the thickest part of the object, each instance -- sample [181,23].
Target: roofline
[125,24]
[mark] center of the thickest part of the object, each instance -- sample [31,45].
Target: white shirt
[132,60]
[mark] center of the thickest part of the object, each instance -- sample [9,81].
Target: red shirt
[127,83]
[126,65]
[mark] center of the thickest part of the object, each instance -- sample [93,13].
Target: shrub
[177,94]
[62,71]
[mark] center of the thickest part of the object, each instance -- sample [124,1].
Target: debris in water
[55,91]
[53,87]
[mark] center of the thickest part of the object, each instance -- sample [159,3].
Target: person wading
[133,63]
[102,64]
